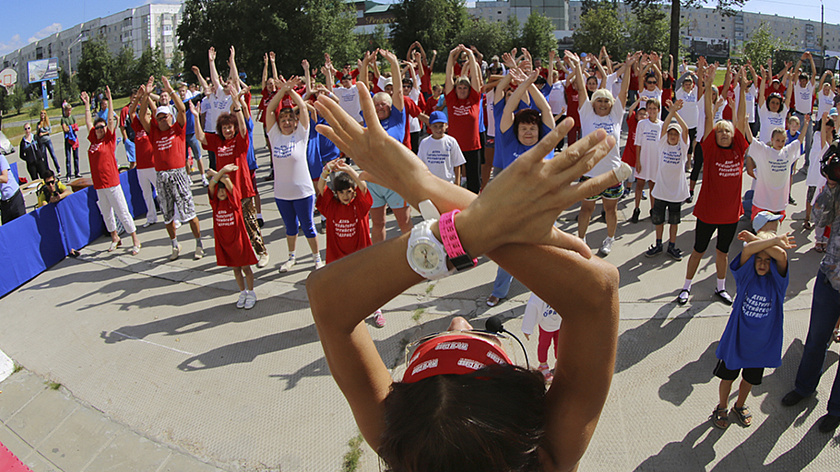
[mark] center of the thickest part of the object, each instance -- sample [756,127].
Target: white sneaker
[287,266]
[148,223]
[176,251]
[204,181]
[243,297]
[250,299]
[199,253]
[263,261]
[606,246]
[319,264]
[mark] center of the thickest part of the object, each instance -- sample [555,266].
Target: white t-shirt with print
[441,156]
[291,170]
[770,121]
[217,104]
[688,112]
[670,174]
[772,174]
[611,123]
[647,136]
[348,100]
[804,97]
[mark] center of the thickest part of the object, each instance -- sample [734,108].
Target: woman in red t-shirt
[233,247]
[462,106]
[106,176]
[718,206]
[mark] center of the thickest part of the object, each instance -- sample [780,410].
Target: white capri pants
[148,179]
[111,200]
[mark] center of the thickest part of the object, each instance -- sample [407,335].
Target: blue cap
[243,76]
[764,217]
[833,111]
[438,117]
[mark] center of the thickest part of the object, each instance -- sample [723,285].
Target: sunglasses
[651,83]
[100,127]
[51,182]
[26,128]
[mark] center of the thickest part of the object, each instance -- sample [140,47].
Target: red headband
[452,354]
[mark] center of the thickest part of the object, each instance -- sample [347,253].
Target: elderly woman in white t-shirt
[288,133]
[606,112]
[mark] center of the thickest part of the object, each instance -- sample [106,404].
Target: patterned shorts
[173,187]
[611,193]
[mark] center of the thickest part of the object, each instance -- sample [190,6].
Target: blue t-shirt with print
[8,189]
[513,148]
[395,124]
[753,334]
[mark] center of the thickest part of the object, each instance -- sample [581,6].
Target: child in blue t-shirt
[752,339]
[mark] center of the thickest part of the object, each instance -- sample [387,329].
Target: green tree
[726,7]
[762,44]
[293,29]
[600,26]
[150,63]
[96,65]
[435,23]
[124,72]
[378,39]
[176,65]
[648,30]
[489,38]
[66,89]
[513,32]
[18,98]
[538,35]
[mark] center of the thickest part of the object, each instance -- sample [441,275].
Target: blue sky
[29,20]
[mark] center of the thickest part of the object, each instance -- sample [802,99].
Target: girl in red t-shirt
[233,247]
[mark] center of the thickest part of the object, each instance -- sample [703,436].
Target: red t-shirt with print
[719,202]
[348,230]
[143,150]
[169,150]
[233,247]
[463,119]
[233,151]
[103,161]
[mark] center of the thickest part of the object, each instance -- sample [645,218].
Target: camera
[830,162]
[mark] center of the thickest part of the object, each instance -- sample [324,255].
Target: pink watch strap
[451,241]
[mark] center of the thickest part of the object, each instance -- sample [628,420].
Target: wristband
[452,243]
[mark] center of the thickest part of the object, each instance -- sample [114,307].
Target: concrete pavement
[159,371]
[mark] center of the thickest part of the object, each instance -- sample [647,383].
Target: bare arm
[513,101]
[199,131]
[203,83]
[214,74]
[88,117]
[574,405]
[449,80]
[775,248]
[181,115]
[112,123]
[396,79]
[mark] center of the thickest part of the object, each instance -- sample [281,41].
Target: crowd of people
[490,158]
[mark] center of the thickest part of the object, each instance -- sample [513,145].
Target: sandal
[135,250]
[720,418]
[807,225]
[819,247]
[743,415]
[114,245]
[837,335]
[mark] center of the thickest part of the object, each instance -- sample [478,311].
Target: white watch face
[425,256]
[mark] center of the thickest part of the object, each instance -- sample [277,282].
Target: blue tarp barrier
[40,239]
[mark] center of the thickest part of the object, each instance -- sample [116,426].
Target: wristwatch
[425,254]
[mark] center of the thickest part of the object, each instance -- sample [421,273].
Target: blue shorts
[384,196]
[129,150]
[297,214]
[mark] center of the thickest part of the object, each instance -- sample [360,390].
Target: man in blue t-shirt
[11,200]
[752,339]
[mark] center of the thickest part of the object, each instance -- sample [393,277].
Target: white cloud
[51,29]
[11,45]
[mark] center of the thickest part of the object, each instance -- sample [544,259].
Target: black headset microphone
[494,325]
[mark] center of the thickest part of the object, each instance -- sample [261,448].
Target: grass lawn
[15,133]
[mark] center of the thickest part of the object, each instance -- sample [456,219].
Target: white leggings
[112,200]
[148,178]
